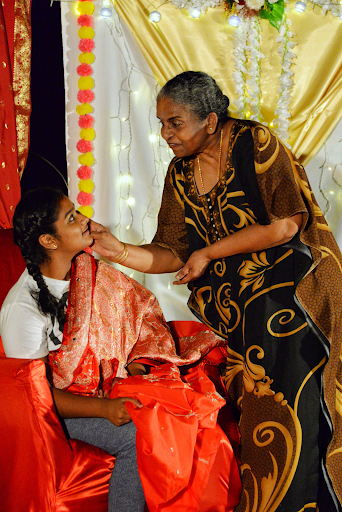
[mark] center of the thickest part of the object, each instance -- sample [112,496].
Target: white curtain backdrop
[132,158]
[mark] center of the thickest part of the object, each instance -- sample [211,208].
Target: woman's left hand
[194,267]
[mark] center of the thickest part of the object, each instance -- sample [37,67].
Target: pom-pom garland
[86,45]
[84,172]
[84,70]
[84,199]
[85,20]
[85,108]
[87,211]
[85,121]
[85,96]
[84,146]
[87,134]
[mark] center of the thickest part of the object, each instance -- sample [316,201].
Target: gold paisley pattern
[276,359]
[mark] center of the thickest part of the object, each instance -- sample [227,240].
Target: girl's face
[72,229]
[185,134]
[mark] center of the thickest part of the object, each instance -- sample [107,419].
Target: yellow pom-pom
[85,108]
[87,211]
[85,8]
[85,82]
[86,186]
[86,58]
[87,133]
[86,159]
[86,33]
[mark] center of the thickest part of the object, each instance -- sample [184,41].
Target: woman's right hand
[105,243]
[116,411]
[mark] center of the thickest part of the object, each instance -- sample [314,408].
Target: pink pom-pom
[85,20]
[85,121]
[85,96]
[84,146]
[84,199]
[86,45]
[84,172]
[84,70]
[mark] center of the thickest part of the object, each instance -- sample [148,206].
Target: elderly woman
[240,225]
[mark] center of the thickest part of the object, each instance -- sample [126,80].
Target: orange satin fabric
[40,470]
[180,447]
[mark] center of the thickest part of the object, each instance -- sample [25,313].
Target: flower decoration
[84,172]
[85,96]
[271,10]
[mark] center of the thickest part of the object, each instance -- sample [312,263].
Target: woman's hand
[105,243]
[194,267]
[116,410]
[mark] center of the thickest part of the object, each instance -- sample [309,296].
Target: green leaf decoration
[273,13]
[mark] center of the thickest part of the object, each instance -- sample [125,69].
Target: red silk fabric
[40,470]
[186,463]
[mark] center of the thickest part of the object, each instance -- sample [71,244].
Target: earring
[55,246]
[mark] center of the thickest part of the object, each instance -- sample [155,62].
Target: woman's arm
[151,258]
[250,239]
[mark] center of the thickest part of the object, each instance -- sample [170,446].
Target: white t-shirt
[25,332]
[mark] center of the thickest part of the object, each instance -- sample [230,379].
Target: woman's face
[72,229]
[185,134]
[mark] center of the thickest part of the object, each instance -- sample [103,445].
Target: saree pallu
[113,320]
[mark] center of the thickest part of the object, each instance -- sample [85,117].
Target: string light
[106,12]
[234,20]
[194,12]
[300,6]
[154,16]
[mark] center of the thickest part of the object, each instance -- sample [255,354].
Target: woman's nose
[166,133]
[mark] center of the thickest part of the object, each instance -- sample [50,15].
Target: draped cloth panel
[15,103]
[179,43]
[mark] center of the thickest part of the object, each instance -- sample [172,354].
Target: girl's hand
[116,411]
[194,267]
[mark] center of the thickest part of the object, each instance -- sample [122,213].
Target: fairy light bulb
[195,12]
[154,16]
[300,6]
[234,21]
[131,201]
[106,12]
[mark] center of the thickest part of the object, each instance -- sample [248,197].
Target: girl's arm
[69,405]
[250,239]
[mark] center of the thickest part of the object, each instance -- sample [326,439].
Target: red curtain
[15,101]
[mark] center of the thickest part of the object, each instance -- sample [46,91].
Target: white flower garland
[253,74]
[247,57]
[334,7]
[240,60]
[285,81]
[200,4]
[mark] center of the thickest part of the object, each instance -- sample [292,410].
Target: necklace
[219,164]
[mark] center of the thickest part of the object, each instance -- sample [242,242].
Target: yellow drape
[179,43]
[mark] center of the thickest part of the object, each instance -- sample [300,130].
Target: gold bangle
[122,255]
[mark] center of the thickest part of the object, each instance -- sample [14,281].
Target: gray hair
[199,92]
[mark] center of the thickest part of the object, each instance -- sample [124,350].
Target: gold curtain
[179,43]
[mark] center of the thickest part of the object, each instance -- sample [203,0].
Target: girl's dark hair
[35,215]
[199,92]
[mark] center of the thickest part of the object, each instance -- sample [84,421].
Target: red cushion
[39,469]
[12,263]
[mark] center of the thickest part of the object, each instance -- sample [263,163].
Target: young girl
[50,233]
[111,320]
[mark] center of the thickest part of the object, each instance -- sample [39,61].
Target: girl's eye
[72,218]
[176,125]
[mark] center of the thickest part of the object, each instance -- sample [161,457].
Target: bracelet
[122,255]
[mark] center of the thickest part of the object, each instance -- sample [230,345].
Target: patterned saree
[186,462]
[280,311]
